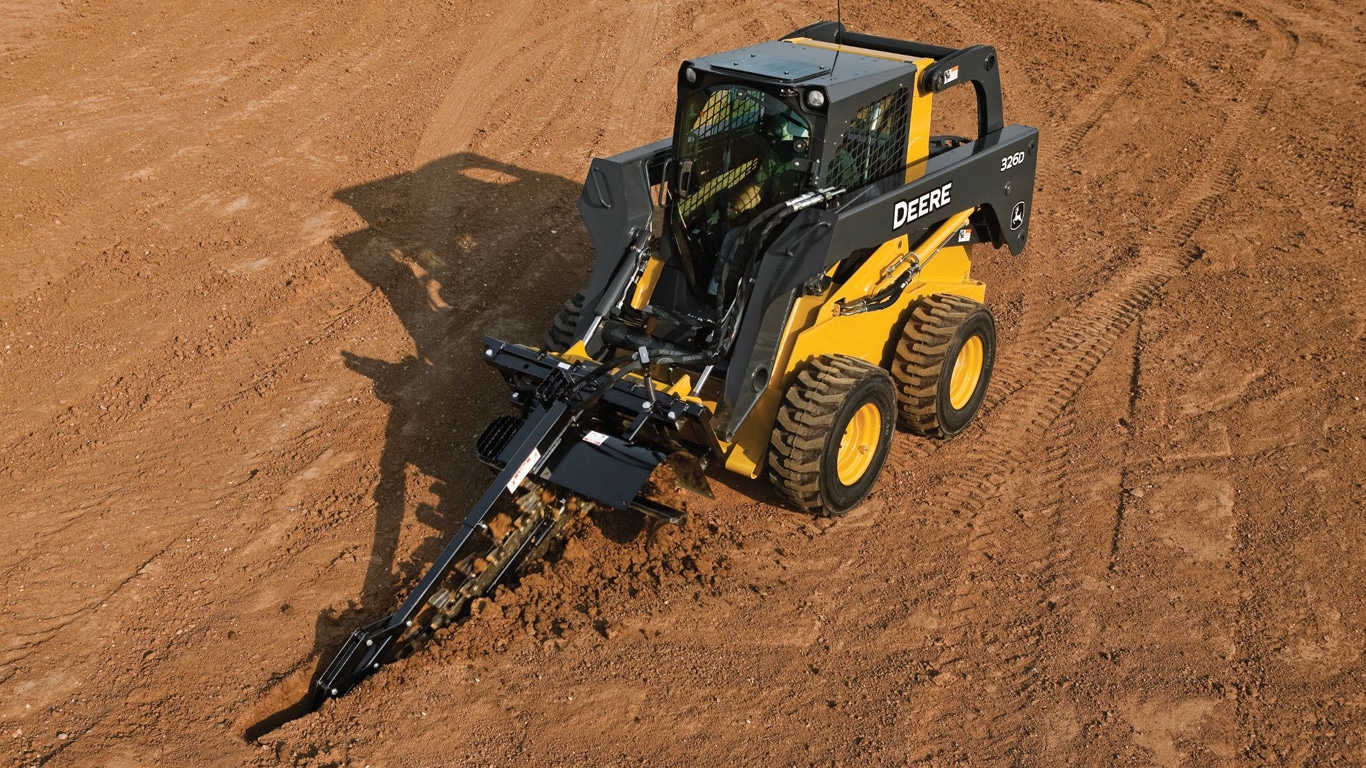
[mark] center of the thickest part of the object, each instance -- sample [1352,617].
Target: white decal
[964,235]
[596,438]
[950,75]
[523,470]
[907,211]
[1010,161]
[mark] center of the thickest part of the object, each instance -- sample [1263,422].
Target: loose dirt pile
[251,250]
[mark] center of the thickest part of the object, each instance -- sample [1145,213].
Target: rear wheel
[943,364]
[561,334]
[832,434]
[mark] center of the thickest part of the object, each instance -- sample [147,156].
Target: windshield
[745,147]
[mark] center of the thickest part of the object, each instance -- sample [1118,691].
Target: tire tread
[803,424]
[919,360]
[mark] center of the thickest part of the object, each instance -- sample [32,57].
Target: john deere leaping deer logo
[1017,216]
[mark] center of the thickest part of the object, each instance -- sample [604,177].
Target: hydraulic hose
[753,240]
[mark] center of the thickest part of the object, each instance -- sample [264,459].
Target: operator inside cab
[746,149]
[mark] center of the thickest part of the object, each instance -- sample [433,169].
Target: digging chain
[513,542]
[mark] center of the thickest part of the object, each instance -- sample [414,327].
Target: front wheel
[832,435]
[560,336]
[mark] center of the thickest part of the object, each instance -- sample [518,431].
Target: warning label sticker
[523,470]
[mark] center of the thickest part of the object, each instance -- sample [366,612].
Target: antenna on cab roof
[839,36]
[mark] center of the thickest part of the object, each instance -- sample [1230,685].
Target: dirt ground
[251,248]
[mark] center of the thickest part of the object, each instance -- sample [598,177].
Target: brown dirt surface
[251,249]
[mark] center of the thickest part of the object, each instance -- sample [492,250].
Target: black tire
[809,436]
[943,332]
[561,334]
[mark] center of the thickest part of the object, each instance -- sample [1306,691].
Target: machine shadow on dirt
[459,247]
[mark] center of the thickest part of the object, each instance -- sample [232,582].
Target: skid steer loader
[808,289]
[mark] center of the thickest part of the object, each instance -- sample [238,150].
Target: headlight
[815,98]
[690,75]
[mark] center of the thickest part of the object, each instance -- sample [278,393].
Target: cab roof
[797,63]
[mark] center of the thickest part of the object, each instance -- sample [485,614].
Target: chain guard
[513,542]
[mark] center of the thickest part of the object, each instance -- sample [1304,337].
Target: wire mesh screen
[717,184]
[741,144]
[875,144]
[724,112]
[726,119]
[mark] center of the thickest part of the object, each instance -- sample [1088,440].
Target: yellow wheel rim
[967,372]
[859,443]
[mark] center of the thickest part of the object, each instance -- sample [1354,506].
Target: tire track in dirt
[627,89]
[1092,327]
[1114,309]
[475,93]
[1100,101]
[1072,349]
[1061,158]
[1080,117]
[1254,578]
[1024,559]
[469,96]
[1083,116]
[1011,373]
[499,59]
[533,98]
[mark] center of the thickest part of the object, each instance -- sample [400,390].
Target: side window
[875,144]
